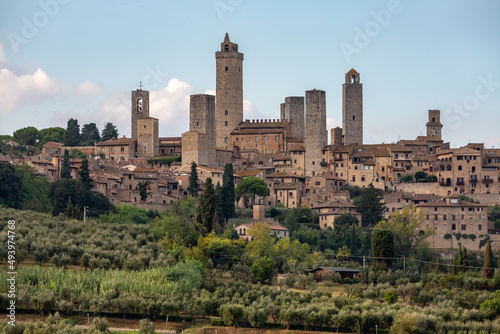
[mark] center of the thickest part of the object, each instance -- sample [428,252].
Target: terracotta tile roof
[119,141]
[245,173]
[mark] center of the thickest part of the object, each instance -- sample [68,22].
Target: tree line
[71,136]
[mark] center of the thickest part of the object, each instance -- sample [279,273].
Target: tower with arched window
[140,108]
[352,109]
[229,92]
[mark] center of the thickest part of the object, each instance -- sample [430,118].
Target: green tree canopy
[144,188]
[228,192]
[62,189]
[488,265]
[370,205]
[65,166]
[405,225]
[253,186]
[262,269]
[207,208]
[84,174]
[10,185]
[72,135]
[109,131]
[27,136]
[262,241]
[90,134]
[382,246]
[193,188]
[346,219]
[55,134]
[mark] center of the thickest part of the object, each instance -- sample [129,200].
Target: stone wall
[148,144]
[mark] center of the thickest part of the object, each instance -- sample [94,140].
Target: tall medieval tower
[316,135]
[434,125]
[352,109]
[229,92]
[140,108]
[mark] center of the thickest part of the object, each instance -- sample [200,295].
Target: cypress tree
[488,270]
[84,174]
[42,205]
[207,209]
[72,134]
[193,188]
[65,168]
[228,192]
[382,246]
[220,208]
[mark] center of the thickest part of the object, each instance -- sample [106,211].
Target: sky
[62,59]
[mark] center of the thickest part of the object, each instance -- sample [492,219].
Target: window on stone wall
[225,123]
[227,68]
[225,112]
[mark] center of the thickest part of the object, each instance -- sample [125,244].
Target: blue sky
[69,58]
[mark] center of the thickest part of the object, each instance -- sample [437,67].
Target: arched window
[225,139]
[353,78]
[353,117]
[227,68]
[226,48]
[225,112]
[225,123]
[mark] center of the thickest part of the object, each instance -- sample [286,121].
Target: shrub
[391,297]
[146,326]
[413,322]
[216,322]
[289,281]
[231,314]
[331,277]
[100,325]
[447,236]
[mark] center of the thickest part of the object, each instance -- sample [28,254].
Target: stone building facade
[315,134]
[229,91]
[140,108]
[455,221]
[148,144]
[265,136]
[352,109]
[202,128]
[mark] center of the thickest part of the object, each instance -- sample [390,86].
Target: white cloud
[171,106]
[2,53]
[210,92]
[87,89]
[250,111]
[16,90]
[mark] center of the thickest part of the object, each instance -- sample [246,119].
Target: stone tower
[316,135]
[148,143]
[229,92]
[352,109]
[140,108]
[336,136]
[294,110]
[201,125]
[434,125]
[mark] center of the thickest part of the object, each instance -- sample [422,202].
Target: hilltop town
[294,156]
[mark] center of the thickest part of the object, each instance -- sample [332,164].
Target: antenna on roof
[140,85]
